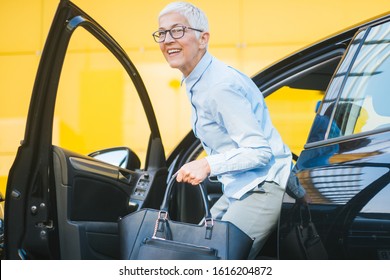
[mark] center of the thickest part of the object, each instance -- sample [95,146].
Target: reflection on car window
[379,203]
[363,104]
[338,185]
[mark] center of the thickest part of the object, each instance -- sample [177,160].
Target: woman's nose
[168,38]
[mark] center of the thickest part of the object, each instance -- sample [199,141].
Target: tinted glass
[364,101]
[324,114]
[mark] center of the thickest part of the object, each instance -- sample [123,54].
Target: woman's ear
[204,39]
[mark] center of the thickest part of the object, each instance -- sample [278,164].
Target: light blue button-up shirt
[232,121]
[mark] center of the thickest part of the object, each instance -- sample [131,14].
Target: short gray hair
[195,16]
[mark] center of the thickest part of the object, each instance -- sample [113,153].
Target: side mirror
[120,156]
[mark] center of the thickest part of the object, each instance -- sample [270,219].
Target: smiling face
[184,53]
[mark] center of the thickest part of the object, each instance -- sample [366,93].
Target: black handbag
[302,241]
[149,234]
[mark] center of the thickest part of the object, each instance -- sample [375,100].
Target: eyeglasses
[176,33]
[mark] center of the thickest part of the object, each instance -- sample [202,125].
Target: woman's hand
[194,172]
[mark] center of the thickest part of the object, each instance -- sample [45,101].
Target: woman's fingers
[193,172]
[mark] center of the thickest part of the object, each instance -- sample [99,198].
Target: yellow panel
[292,112]
[17,75]
[286,22]
[93,123]
[3,184]
[170,102]
[224,21]
[20,25]
[11,133]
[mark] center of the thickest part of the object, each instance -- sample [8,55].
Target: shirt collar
[198,71]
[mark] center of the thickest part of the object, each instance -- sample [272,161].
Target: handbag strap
[161,222]
[165,204]
[307,207]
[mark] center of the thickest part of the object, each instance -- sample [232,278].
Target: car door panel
[91,199]
[368,238]
[341,179]
[92,196]
[65,205]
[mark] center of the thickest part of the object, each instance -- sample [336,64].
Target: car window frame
[301,70]
[328,140]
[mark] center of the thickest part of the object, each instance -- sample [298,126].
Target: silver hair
[195,16]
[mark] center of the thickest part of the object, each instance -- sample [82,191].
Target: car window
[97,105]
[363,103]
[324,114]
[293,96]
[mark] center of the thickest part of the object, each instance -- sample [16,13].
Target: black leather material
[169,250]
[150,234]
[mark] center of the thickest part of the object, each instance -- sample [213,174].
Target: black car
[65,204]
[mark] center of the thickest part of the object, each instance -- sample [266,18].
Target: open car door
[64,203]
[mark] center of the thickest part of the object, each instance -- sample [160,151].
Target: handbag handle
[165,204]
[162,225]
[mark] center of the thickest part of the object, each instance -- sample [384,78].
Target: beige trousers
[256,213]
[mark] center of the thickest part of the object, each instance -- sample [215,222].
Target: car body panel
[339,190]
[345,166]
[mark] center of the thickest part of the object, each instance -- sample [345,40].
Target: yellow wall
[248,34]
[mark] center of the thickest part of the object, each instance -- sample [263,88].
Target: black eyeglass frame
[157,37]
